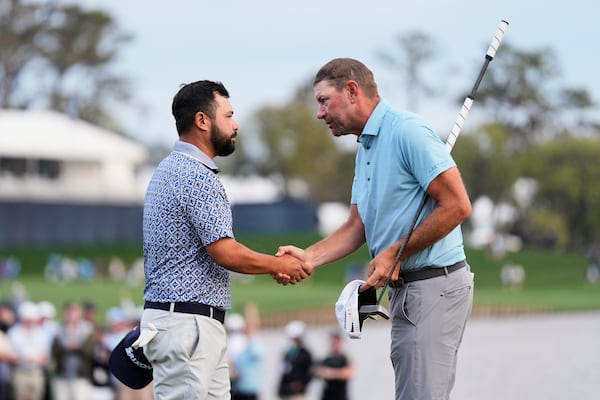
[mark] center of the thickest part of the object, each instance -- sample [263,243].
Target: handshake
[295,264]
[292,265]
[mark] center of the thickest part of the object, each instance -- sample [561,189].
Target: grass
[554,281]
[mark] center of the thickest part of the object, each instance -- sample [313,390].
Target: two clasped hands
[377,271]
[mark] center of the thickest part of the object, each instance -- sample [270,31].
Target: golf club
[372,310]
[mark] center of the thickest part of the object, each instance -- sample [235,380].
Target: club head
[372,311]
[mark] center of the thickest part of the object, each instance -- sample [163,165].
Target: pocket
[458,301]
[457,292]
[410,304]
[147,333]
[193,344]
[404,306]
[459,285]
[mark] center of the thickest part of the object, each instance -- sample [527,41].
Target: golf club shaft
[451,140]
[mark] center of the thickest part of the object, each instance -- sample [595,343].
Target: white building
[63,180]
[47,156]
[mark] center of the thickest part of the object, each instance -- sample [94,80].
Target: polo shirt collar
[374,122]
[193,151]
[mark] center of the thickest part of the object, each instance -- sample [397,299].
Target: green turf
[554,281]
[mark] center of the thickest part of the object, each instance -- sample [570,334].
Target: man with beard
[190,249]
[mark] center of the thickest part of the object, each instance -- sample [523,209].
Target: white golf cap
[28,311]
[46,309]
[346,309]
[348,306]
[295,329]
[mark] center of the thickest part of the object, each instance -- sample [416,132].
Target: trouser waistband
[189,308]
[426,273]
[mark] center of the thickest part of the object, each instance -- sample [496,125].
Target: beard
[223,144]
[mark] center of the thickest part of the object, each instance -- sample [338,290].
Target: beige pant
[29,383]
[188,356]
[71,389]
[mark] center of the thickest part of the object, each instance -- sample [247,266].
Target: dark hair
[193,98]
[341,70]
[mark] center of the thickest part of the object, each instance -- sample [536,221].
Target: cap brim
[124,365]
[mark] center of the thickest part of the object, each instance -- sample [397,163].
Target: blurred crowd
[45,356]
[50,354]
[299,366]
[62,268]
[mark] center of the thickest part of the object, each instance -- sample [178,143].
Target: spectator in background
[8,317]
[48,323]
[102,386]
[335,370]
[245,354]
[235,325]
[72,354]
[90,313]
[29,354]
[118,326]
[50,327]
[297,364]
[5,358]
[102,383]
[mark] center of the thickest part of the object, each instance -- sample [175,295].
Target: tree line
[537,149]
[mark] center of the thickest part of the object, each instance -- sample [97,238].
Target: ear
[352,88]
[202,121]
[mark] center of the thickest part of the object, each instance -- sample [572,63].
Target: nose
[320,112]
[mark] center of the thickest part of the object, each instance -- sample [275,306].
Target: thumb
[281,251]
[365,286]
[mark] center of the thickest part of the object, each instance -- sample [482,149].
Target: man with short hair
[190,249]
[400,159]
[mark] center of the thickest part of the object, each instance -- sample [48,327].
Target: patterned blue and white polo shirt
[186,209]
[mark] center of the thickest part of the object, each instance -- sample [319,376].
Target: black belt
[189,308]
[426,273]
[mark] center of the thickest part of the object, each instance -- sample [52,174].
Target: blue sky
[263,50]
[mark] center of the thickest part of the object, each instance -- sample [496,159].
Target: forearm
[345,240]
[433,228]
[236,257]
[332,248]
[452,207]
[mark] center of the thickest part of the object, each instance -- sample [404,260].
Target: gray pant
[428,321]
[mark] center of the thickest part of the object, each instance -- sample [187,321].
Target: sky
[264,50]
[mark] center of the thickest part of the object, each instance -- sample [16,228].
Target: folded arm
[452,207]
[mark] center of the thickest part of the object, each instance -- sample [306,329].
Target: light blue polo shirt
[398,157]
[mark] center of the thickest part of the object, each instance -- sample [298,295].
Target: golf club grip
[458,124]
[497,39]
[450,141]
[468,103]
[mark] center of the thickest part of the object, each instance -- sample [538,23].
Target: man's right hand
[291,269]
[296,253]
